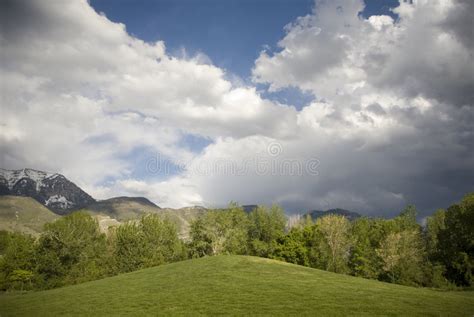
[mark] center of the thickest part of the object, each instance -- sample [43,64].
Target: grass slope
[237,285]
[24,214]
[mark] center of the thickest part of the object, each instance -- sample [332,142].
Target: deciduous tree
[335,242]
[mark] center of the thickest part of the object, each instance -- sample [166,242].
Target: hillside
[26,215]
[23,214]
[237,285]
[123,208]
[131,208]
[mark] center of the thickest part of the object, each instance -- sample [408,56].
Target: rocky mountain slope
[52,190]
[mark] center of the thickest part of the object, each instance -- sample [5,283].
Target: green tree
[149,242]
[406,220]
[71,250]
[293,247]
[333,235]
[266,226]
[220,231]
[456,242]
[201,239]
[21,277]
[367,235]
[4,237]
[236,236]
[403,258]
[434,225]
[18,256]
[435,268]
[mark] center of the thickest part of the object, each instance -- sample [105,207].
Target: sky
[232,33]
[366,106]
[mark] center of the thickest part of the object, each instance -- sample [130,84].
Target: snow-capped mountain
[50,189]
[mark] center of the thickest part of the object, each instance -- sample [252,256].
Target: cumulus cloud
[391,122]
[402,91]
[78,93]
[336,53]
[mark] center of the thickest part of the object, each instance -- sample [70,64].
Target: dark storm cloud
[21,16]
[410,136]
[460,20]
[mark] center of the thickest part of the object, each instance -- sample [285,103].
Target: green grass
[24,214]
[237,285]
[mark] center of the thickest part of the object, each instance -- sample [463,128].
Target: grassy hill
[237,285]
[24,214]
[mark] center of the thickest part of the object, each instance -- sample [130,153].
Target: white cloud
[381,143]
[339,55]
[391,123]
[69,76]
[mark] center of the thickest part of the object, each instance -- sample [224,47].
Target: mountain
[52,190]
[131,208]
[123,199]
[315,214]
[52,194]
[123,208]
[249,208]
[24,214]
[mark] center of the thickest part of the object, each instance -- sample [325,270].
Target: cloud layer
[391,123]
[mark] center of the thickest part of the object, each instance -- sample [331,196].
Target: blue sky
[232,33]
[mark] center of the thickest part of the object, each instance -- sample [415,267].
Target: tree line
[73,249]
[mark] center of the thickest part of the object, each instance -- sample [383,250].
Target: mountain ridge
[55,192]
[137,199]
[52,190]
[315,214]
